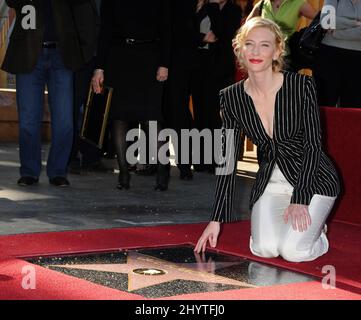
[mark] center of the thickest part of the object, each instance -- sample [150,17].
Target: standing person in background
[133,58]
[218,22]
[338,67]
[84,156]
[43,56]
[182,64]
[286,14]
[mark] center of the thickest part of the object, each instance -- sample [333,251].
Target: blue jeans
[50,71]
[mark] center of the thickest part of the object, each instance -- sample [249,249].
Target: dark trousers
[337,77]
[82,78]
[176,106]
[208,80]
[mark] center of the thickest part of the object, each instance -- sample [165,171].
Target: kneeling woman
[296,185]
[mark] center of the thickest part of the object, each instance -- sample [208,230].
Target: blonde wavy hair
[259,22]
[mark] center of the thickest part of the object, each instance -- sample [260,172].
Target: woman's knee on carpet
[265,249]
[295,251]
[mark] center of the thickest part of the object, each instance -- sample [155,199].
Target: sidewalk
[93,202]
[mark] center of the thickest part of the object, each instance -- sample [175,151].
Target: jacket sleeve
[303,190]
[352,34]
[165,33]
[344,22]
[105,32]
[225,186]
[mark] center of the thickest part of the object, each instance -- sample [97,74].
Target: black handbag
[305,43]
[312,36]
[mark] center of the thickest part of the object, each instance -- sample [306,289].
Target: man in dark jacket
[85,156]
[51,39]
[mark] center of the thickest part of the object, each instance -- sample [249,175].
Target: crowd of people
[158,56]
[155,55]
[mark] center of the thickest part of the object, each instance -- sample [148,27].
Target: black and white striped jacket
[295,147]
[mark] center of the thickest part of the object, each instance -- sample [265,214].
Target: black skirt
[131,70]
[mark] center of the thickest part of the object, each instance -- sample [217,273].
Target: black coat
[75,23]
[141,19]
[184,33]
[131,69]
[224,24]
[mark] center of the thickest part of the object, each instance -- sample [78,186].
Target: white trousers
[271,237]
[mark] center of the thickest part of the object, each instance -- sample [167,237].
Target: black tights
[119,132]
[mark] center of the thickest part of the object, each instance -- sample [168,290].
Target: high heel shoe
[186,175]
[162,184]
[123,181]
[162,178]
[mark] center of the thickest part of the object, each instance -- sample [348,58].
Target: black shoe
[27,181]
[161,186]
[186,175]
[123,181]
[59,181]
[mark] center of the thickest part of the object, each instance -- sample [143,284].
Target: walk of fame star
[172,271]
[163,272]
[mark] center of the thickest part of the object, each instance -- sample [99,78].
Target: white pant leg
[298,246]
[271,237]
[267,216]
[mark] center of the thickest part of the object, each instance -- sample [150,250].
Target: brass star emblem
[157,271]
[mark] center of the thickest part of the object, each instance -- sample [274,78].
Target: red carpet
[343,255]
